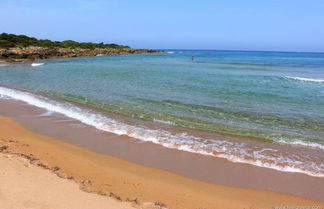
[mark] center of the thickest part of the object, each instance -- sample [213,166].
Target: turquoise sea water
[274,98]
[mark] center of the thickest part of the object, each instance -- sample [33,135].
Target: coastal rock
[34,53]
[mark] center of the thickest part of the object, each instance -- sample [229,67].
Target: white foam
[45,114]
[4,97]
[170,52]
[164,122]
[305,144]
[306,79]
[235,152]
[3,65]
[37,64]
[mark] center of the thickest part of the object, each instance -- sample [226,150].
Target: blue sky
[283,25]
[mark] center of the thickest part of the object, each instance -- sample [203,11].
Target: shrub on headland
[12,40]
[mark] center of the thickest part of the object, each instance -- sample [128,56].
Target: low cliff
[34,53]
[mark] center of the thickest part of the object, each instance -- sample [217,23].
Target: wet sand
[205,168]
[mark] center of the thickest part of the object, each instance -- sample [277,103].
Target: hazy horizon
[289,26]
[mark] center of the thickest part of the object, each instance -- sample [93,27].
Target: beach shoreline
[193,165]
[127,181]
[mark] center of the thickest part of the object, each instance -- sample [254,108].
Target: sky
[266,25]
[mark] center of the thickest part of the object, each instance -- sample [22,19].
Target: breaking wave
[37,64]
[232,151]
[306,79]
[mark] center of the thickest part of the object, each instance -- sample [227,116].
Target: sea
[259,108]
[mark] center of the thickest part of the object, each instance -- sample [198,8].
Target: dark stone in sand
[54,169]
[31,159]
[41,165]
[115,196]
[86,182]
[134,200]
[160,205]
[3,148]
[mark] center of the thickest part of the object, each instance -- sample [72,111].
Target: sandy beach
[109,176]
[24,185]
[161,105]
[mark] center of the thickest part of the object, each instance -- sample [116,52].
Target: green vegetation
[12,40]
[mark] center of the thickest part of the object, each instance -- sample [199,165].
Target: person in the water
[193,58]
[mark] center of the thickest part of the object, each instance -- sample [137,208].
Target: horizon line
[243,50]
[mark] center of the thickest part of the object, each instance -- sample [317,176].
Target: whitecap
[37,64]
[306,79]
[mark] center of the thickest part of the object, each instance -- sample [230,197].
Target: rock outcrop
[34,53]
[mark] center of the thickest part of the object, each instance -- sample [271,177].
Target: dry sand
[116,178]
[25,186]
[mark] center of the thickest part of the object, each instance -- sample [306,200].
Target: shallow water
[269,105]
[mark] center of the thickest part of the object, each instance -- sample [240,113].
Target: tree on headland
[12,40]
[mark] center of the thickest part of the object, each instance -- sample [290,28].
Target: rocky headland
[18,54]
